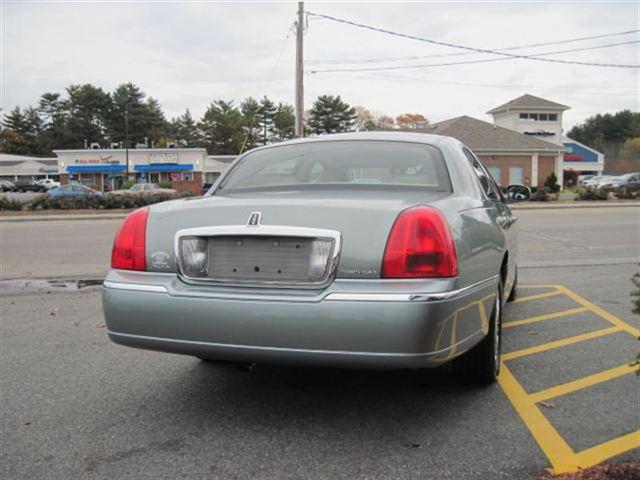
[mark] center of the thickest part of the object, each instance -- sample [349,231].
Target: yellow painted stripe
[541,318]
[552,444]
[599,311]
[581,383]
[537,296]
[538,286]
[559,343]
[612,448]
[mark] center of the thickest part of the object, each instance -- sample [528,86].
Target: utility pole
[126,136]
[299,72]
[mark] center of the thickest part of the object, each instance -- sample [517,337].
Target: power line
[440,55]
[426,65]
[427,81]
[464,47]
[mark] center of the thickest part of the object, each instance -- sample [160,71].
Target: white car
[599,181]
[48,183]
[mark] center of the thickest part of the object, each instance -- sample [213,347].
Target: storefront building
[15,167]
[106,169]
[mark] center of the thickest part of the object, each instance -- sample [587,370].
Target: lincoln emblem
[254,219]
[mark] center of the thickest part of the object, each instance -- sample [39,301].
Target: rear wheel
[482,363]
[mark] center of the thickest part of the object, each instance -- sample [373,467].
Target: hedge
[104,202]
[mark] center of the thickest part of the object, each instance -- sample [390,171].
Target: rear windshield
[341,162]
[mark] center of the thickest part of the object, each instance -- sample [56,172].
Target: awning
[96,168]
[164,167]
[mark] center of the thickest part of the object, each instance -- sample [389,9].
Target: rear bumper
[354,324]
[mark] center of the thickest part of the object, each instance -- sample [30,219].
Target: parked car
[48,183]
[598,181]
[7,186]
[379,249]
[582,179]
[144,189]
[628,180]
[27,185]
[73,190]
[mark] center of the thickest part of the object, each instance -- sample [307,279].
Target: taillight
[420,246]
[129,247]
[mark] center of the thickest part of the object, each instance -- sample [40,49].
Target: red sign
[572,158]
[175,176]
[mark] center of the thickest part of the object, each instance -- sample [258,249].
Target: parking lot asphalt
[76,406]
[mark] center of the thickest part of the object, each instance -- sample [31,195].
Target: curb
[574,205]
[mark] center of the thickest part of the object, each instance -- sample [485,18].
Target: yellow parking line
[581,383]
[560,454]
[559,343]
[537,296]
[612,448]
[599,311]
[548,316]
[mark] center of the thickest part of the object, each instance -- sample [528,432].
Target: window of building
[542,117]
[516,175]
[496,173]
[553,117]
[539,117]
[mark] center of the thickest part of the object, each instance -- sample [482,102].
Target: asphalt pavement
[74,405]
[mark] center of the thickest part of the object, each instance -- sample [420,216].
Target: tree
[266,118]
[86,110]
[601,130]
[330,114]
[146,119]
[220,129]
[364,119]
[250,118]
[284,122]
[552,183]
[183,129]
[385,122]
[411,121]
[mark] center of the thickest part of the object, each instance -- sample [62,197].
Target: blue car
[73,191]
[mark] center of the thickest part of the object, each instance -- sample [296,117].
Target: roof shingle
[529,101]
[479,135]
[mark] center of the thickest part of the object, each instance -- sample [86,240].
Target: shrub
[590,193]
[127,185]
[542,194]
[552,183]
[570,178]
[10,204]
[626,193]
[164,184]
[108,201]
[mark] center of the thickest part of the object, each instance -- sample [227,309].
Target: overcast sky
[187,54]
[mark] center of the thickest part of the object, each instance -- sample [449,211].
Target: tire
[482,363]
[514,289]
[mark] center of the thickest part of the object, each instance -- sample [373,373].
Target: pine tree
[266,115]
[220,129]
[330,114]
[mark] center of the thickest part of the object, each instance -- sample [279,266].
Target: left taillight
[129,247]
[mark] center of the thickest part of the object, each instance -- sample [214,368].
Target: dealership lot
[75,405]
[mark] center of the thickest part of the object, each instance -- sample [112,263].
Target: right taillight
[129,247]
[420,246]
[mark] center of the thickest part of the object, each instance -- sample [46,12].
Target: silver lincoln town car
[382,250]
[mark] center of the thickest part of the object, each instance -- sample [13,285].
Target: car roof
[395,136]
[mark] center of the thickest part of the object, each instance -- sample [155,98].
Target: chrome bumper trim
[339,297]
[407,297]
[138,287]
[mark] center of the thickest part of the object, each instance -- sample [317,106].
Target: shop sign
[101,160]
[155,158]
[540,133]
[175,176]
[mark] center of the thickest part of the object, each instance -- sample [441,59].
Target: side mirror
[518,193]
